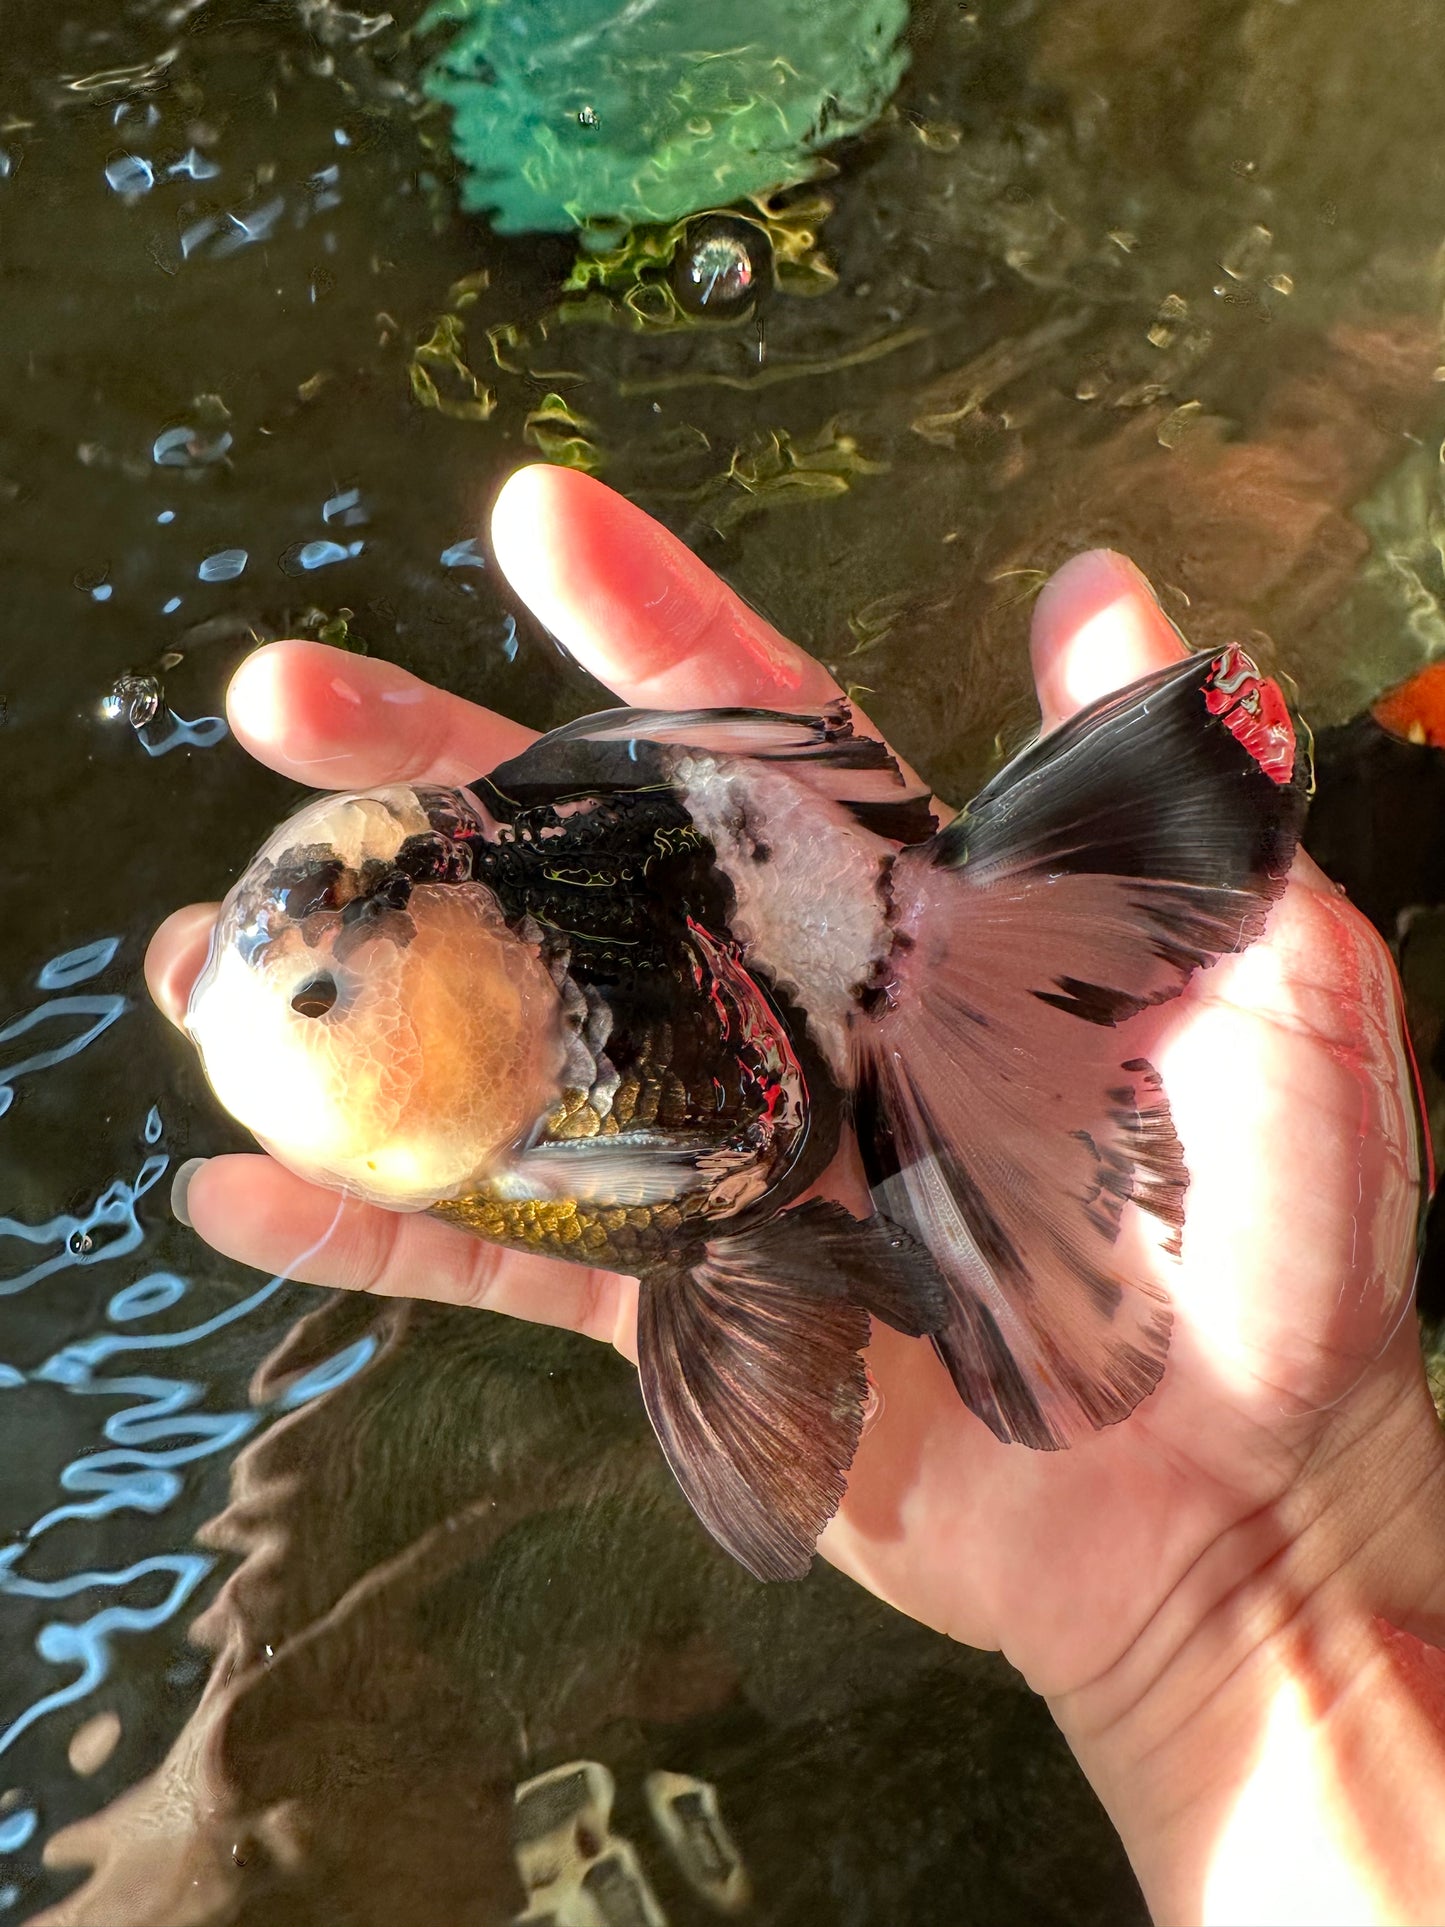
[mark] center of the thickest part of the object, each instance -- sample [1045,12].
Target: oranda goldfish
[617,1000]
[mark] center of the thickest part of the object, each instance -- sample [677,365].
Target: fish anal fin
[821,1250]
[753,1376]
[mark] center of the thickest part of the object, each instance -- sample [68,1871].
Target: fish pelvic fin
[752,1370]
[1008,1116]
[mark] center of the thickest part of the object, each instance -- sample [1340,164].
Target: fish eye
[315,997]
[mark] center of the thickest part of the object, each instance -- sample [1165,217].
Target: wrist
[1270,1747]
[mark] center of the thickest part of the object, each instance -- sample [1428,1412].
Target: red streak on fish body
[766,1053]
[1252,710]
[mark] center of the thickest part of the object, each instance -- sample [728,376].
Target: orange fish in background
[1416,709]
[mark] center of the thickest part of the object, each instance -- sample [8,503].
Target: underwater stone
[578,112]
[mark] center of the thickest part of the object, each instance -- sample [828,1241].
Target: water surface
[297,1589]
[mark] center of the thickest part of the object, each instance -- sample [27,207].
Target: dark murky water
[296,1590]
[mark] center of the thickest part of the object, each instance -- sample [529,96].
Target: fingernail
[180,1186]
[1104,572]
[1129,571]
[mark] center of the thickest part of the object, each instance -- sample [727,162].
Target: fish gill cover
[585,113]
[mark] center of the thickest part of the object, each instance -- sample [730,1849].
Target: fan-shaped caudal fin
[753,1376]
[1006,1116]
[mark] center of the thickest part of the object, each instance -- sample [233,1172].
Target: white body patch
[808,883]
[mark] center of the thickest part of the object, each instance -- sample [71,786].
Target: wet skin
[1292,1424]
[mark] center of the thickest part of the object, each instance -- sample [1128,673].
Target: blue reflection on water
[254,225]
[156,1432]
[188,447]
[318,555]
[64,1643]
[78,966]
[75,1238]
[16,1829]
[130,174]
[72,967]
[347,506]
[199,734]
[332,1372]
[224,566]
[196,166]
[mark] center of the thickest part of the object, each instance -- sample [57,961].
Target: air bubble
[133,699]
[718,267]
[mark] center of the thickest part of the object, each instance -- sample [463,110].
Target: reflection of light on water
[139,700]
[330,1373]
[75,1237]
[74,967]
[200,734]
[157,1432]
[62,1643]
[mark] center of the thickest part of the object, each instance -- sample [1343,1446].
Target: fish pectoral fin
[629,1169]
[752,1374]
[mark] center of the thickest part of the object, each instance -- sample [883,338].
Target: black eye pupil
[315,997]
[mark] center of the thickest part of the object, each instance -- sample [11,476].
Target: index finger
[336,721]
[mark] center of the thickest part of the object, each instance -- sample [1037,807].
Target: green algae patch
[632,281]
[602,115]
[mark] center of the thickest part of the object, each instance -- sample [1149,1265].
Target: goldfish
[620,999]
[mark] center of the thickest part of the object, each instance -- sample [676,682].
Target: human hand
[1291,1439]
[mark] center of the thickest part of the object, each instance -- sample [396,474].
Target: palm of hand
[1284,1066]
[1292,1094]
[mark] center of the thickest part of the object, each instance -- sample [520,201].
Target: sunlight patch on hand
[1114,647]
[1282,1855]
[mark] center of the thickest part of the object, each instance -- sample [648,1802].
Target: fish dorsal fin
[631,749]
[1008,1114]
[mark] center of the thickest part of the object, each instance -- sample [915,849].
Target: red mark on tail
[1253,710]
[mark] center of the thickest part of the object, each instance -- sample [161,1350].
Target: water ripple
[63,1642]
[73,967]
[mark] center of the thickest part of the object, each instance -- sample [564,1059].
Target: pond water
[296,1590]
